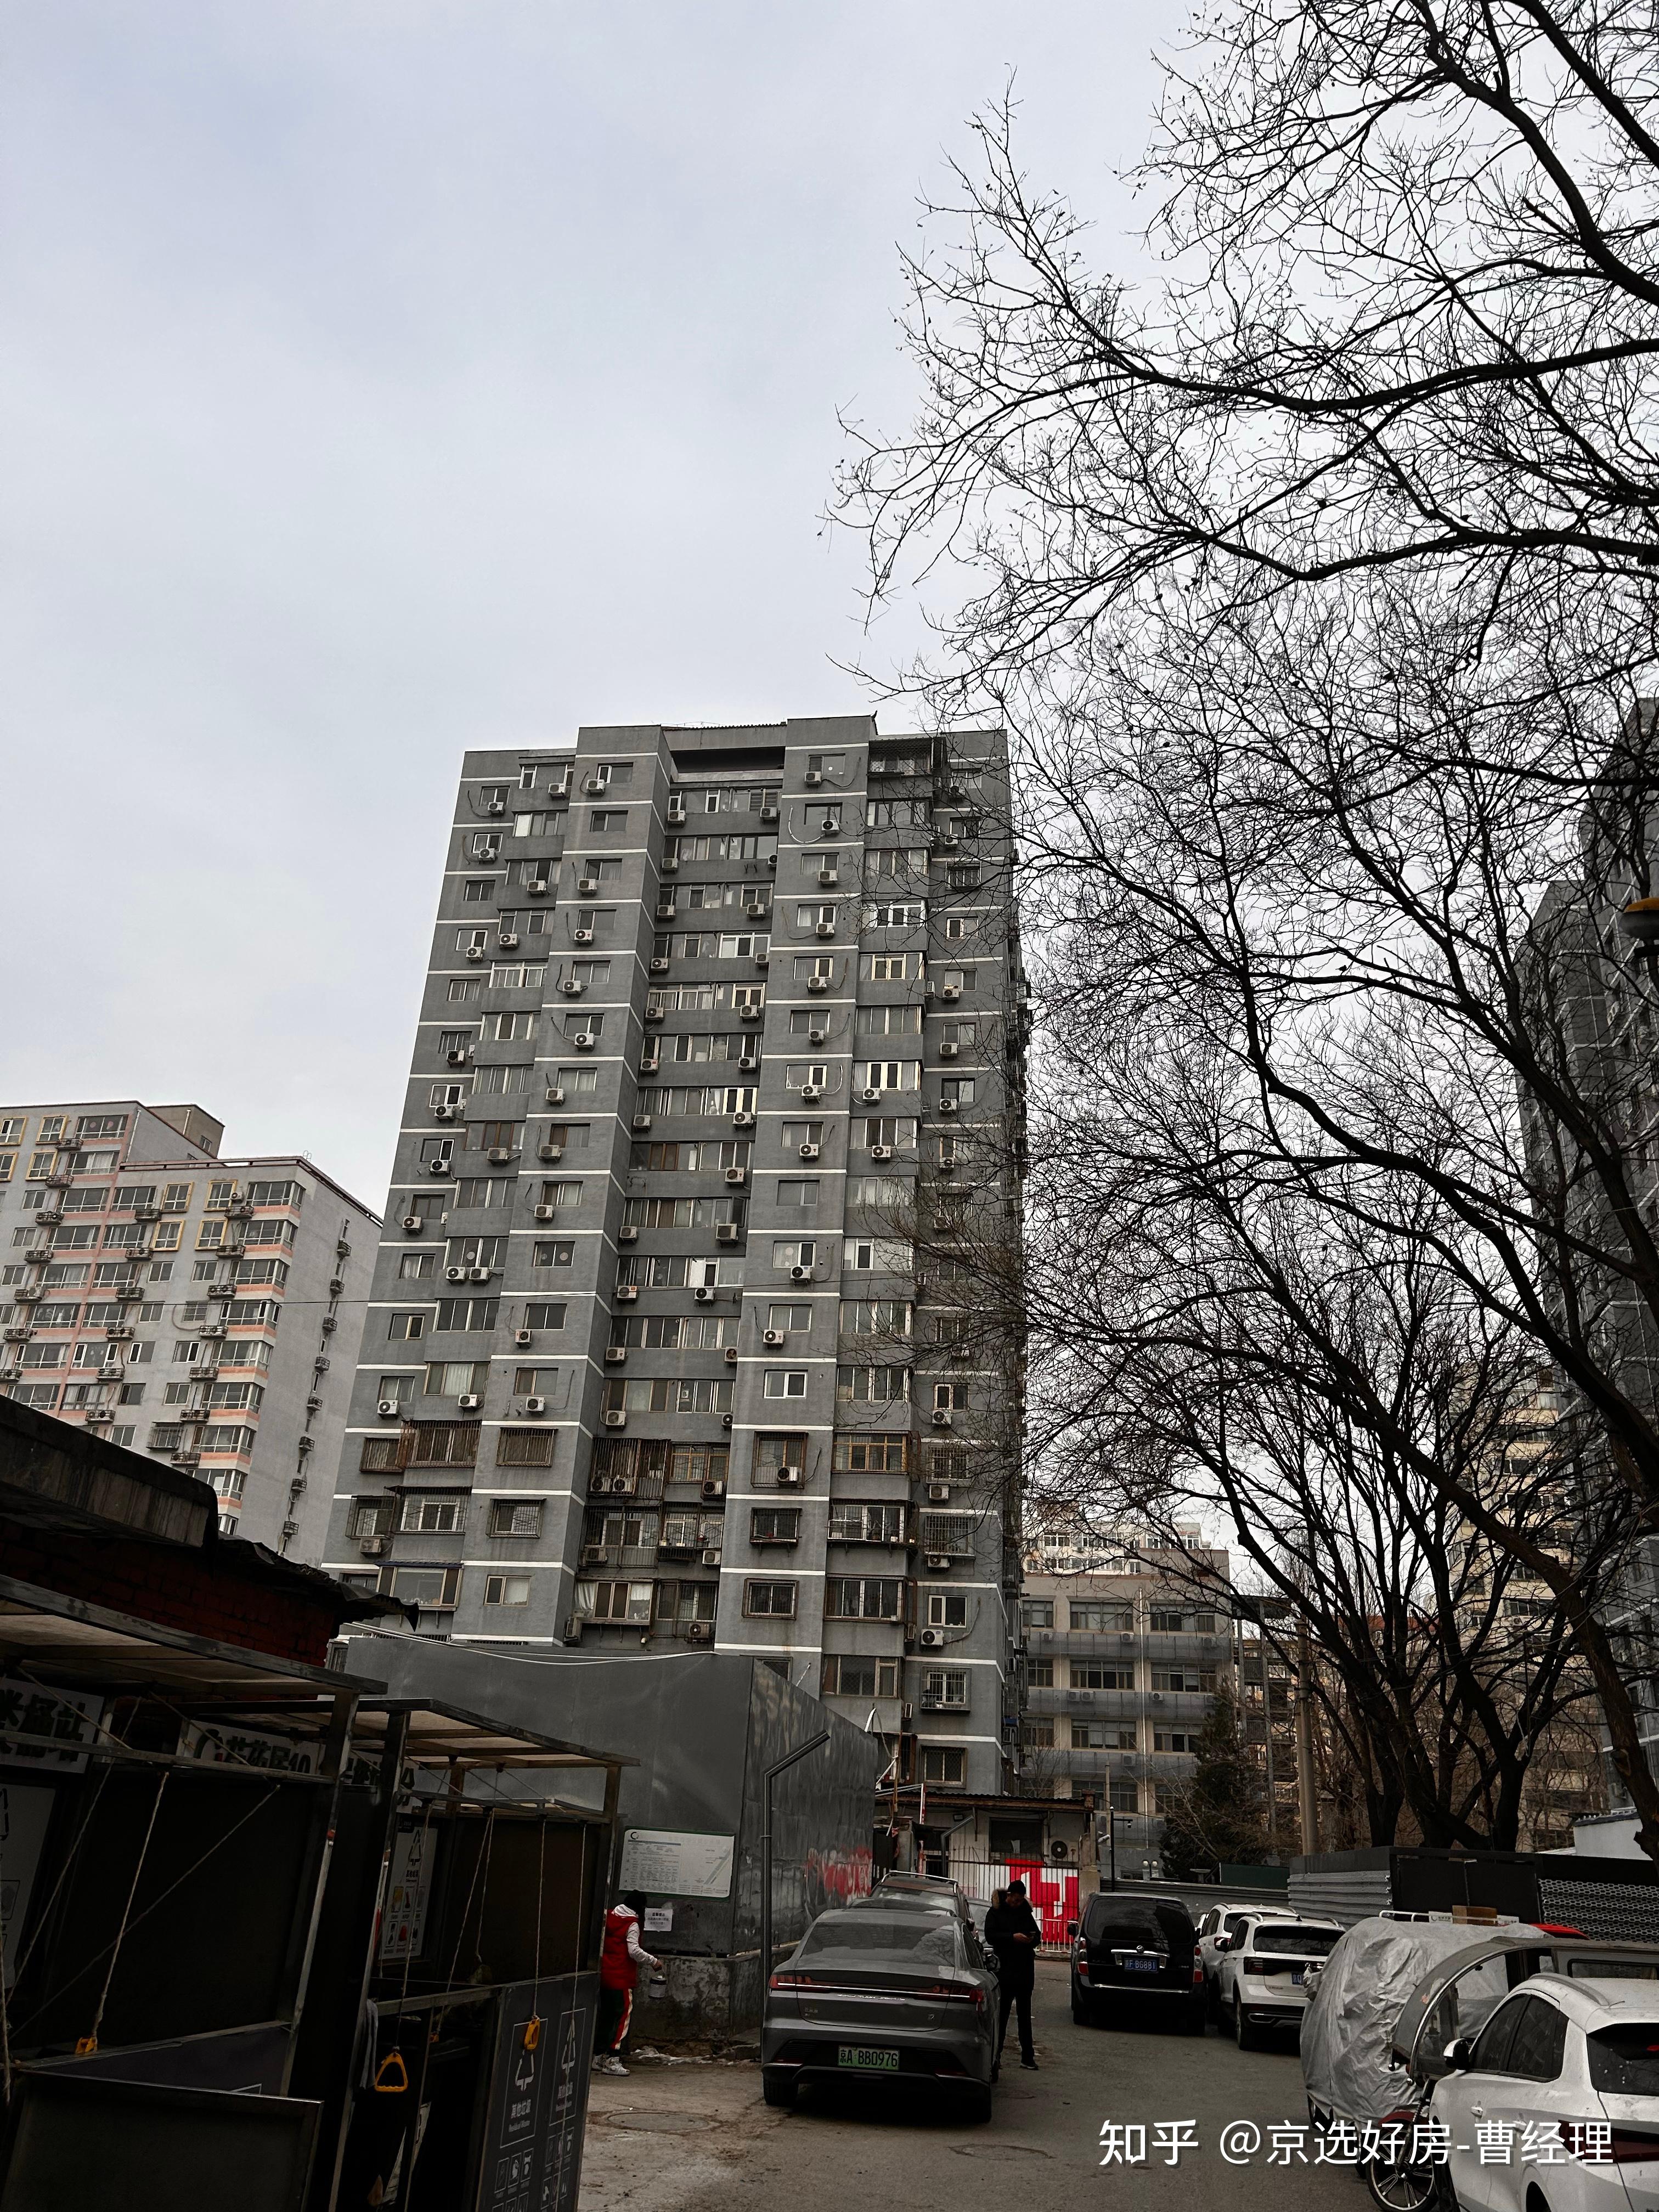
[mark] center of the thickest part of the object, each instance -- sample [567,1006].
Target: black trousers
[1016,1994]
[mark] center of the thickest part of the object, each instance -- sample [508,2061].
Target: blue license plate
[1140,1966]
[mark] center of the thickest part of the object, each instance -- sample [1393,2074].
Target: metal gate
[1051,1888]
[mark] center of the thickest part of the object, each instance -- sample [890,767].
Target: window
[893,967]
[786,1382]
[477,890]
[452,1378]
[950,1397]
[1098,1674]
[798,1190]
[775,1524]
[896,913]
[798,1254]
[770,1601]
[621,1602]
[400,1327]
[418,1267]
[774,1452]
[465,1313]
[605,820]
[1190,1680]
[945,1688]
[1039,1735]
[13,1128]
[539,1314]
[845,1676]
[1099,1617]
[1040,1673]
[945,1608]
[789,1317]
[8,1162]
[897,1133]
[867,1524]
[958,1088]
[506,1589]
[432,1588]
[889,1021]
[558,1254]
[426,1514]
[523,1448]
[464,989]
[944,1766]
[1173,1739]
[863,1597]
[872,1455]
[872,1386]
[887,1255]
[888,1074]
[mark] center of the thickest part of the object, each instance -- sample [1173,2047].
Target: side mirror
[1223,1942]
[1458,2054]
[1071,1928]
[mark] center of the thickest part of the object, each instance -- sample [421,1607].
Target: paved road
[696,2137]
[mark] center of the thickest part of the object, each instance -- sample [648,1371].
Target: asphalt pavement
[696,2137]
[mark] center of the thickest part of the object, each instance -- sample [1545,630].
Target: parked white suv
[1262,1971]
[1227,1920]
[1555,2103]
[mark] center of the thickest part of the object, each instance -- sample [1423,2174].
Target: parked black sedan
[1137,1955]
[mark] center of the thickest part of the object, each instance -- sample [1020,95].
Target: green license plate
[866,2060]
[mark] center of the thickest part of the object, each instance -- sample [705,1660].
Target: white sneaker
[611,2066]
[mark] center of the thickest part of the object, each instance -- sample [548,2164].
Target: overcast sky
[381,380]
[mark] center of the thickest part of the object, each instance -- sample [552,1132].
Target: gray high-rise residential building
[722,1030]
[200,1310]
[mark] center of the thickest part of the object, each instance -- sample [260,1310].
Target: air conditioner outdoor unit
[523,1337]
[616,1420]
[743,1120]
[949,1051]
[811,1092]
[947,1105]
[812,778]
[455,1274]
[869,1096]
[700,1631]
[556,1094]
[615,1354]
[641,1121]
[117,1331]
[753,913]
[749,1013]
[535,1404]
[810,1151]
[587,885]
[437,1167]
[666,909]
[670,864]
[768,814]
[496,807]
[747,1063]
[572,987]
[932,1639]
[572,1631]
[735,1174]
[704,1294]
[774,1337]
[550,1152]
[939,1561]
[585,1041]
[593,1555]
[594,785]
[629,1235]
[816,983]
[951,992]
[49,1217]
[938,1493]
[726,1232]
[789,1478]
[146,1212]
[800,1274]
[536,887]
[713,1486]
[628,1292]
[547,1212]
[373,1548]
[469,1401]
[828,879]
[947,842]
[655,1014]
[762,959]
[213,1329]
[731,1355]
[581,937]
[826,929]
[460,1056]
[817,1036]
[508,939]
[19,1335]
[942,1416]
[676,818]
[475,952]
[881,1152]
[650,1064]
[500,1155]
[479,1274]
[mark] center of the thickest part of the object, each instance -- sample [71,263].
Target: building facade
[202,1310]
[717,1023]
[1121,1668]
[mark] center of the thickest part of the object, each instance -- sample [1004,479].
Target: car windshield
[1285,1937]
[931,1939]
[905,1900]
[1625,2060]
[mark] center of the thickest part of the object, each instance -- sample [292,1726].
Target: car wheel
[1243,2034]
[780,2093]
[1445,2196]
[1395,2186]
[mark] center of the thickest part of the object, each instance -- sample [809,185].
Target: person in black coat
[1013,1932]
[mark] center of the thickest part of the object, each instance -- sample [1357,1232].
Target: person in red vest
[621,1956]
